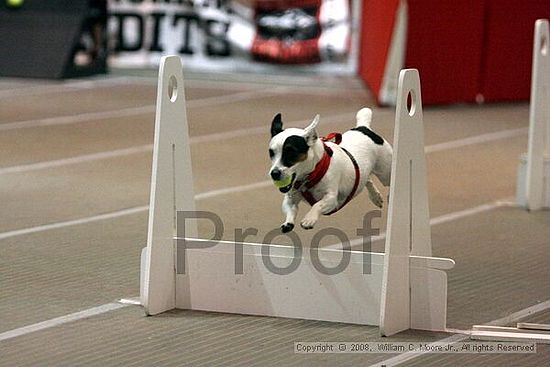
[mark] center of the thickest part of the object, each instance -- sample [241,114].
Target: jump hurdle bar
[406,287]
[533,185]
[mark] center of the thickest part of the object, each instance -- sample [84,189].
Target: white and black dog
[325,173]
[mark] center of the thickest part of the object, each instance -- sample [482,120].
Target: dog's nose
[275,174]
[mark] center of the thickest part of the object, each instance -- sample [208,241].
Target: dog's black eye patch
[371,134]
[294,150]
[271,153]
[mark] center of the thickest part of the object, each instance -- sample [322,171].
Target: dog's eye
[271,153]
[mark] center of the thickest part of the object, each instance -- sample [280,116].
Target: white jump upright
[408,231]
[171,189]
[534,172]
[273,280]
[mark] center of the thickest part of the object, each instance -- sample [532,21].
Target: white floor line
[61,320]
[504,134]
[521,314]
[69,86]
[233,190]
[85,83]
[478,139]
[516,316]
[235,97]
[466,212]
[295,88]
[445,218]
[263,129]
[133,111]
[483,138]
[76,159]
[135,301]
[191,80]
[199,81]
[28,89]
[129,211]
[272,79]
[148,147]
[82,117]
[36,90]
[74,222]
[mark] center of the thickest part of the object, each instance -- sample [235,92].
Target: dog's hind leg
[374,194]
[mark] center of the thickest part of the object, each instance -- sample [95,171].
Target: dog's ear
[276,125]
[311,131]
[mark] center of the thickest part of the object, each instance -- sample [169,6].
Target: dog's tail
[364,117]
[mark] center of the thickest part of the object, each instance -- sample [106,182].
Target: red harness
[321,169]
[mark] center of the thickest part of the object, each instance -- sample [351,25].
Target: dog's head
[287,149]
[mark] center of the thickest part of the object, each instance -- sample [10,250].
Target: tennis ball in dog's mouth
[283,183]
[14,3]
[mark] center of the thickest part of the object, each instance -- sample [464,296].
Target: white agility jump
[405,288]
[533,188]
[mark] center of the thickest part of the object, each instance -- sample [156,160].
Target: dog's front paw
[287,227]
[308,222]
